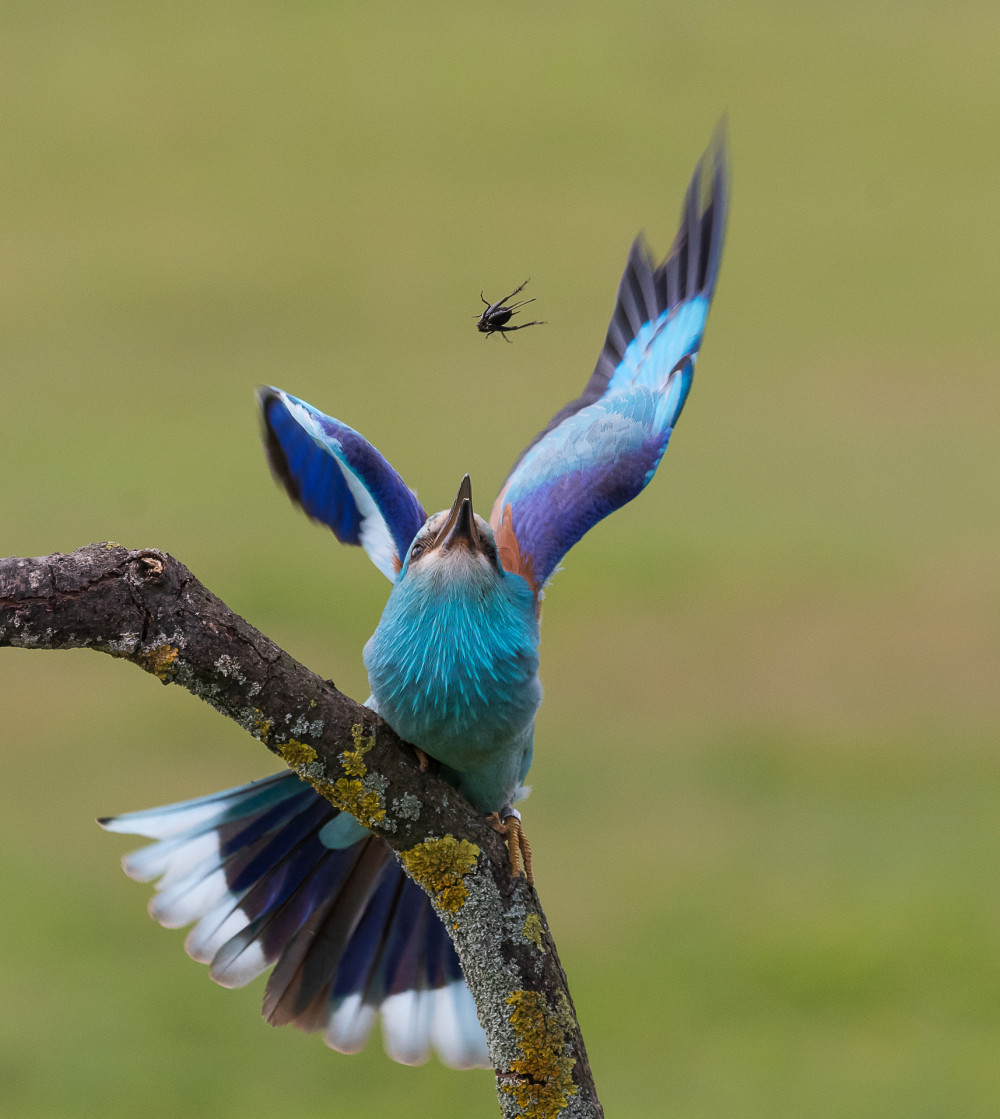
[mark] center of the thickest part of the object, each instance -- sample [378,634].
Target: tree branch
[147,608]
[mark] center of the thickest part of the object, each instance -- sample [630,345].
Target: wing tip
[714,214]
[277,460]
[691,267]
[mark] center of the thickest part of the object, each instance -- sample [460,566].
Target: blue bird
[270,872]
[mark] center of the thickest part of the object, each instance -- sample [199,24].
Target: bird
[271,874]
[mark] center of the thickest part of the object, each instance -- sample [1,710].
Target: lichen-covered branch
[147,608]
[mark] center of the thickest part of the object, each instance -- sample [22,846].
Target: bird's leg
[525,846]
[511,829]
[422,759]
[498,822]
[508,823]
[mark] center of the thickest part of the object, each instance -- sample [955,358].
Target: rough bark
[147,608]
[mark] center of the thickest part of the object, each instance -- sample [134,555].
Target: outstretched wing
[602,449]
[339,478]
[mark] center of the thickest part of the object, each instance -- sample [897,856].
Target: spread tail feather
[349,936]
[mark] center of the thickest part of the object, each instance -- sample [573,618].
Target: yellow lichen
[297,753]
[354,765]
[365,805]
[541,1082]
[439,865]
[349,794]
[260,726]
[160,661]
[533,930]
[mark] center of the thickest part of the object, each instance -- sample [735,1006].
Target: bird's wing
[601,450]
[339,478]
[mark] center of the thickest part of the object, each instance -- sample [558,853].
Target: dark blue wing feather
[339,478]
[601,450]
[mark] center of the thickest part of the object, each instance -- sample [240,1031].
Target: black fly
[496,316]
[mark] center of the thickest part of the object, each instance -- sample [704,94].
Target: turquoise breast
[453,668]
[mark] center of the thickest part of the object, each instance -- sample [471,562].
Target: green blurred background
[767,785]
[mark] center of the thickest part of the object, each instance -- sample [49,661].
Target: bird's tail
[274,875]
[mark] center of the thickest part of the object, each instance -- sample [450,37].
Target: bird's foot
[422,759]
[508,823]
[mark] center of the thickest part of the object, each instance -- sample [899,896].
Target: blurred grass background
[767,784]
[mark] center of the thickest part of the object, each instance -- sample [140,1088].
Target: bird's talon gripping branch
[522,842]
[518,847]
[422,759]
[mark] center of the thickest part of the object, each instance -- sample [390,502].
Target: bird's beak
[460,525]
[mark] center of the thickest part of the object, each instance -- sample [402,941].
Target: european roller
[270,873]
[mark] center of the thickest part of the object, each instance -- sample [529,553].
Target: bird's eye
[417,551]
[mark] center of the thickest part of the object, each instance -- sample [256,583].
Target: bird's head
[455,543]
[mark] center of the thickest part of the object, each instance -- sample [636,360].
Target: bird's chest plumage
[453,667]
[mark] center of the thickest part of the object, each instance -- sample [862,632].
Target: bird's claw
[423,761]
[508,823]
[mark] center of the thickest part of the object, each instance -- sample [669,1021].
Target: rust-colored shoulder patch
[508,550]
